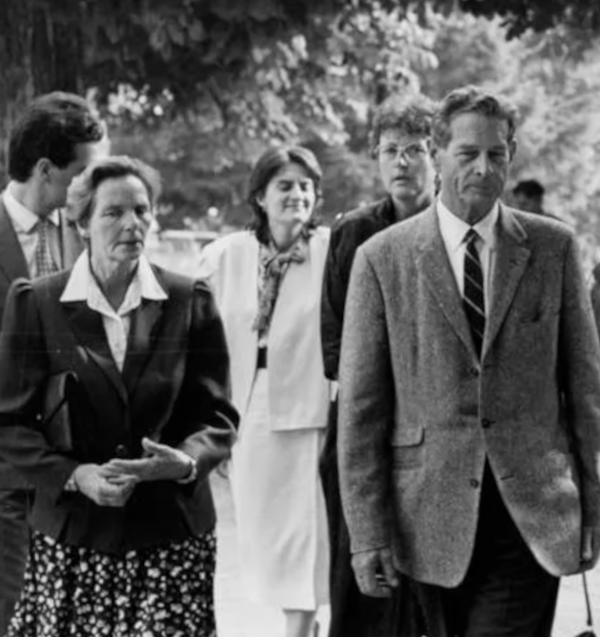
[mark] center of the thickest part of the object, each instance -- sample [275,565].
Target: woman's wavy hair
[82,191]
[267,166]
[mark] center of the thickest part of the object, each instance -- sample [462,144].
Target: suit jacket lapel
[12,259]
[512,255]
[89,331]
[435,266]
[142,333]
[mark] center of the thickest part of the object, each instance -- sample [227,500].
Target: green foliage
[320,89]
[520,16]
[317,90]
[200,87]
[559,137]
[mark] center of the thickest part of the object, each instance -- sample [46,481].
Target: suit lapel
[12,259]
[435,266]
[144,326]
[512,256]
[89,331]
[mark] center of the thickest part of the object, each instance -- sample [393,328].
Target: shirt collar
[454,229]
[82,286]
[22,216]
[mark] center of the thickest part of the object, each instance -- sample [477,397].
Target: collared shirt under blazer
[298,390]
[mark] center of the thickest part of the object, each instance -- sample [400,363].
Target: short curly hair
[82,191]
[267,166]
[409,114]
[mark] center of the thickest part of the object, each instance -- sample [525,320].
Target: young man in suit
[399,138]
[469,421]
[54,139]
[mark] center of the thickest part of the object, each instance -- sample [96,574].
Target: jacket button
[485,423]
[474,483]
[122,451]
[474,372]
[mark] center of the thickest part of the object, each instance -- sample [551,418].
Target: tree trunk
[40,51]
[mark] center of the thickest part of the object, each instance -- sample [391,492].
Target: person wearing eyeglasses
[399,140]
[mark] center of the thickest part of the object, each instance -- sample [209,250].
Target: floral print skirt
[150,592]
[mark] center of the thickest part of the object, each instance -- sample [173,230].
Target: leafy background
[199,88]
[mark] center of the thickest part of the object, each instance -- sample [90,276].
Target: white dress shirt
[25,223]
[454,230]
[82,286]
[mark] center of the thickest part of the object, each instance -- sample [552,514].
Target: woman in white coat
[267,282]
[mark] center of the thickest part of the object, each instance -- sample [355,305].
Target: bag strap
[588,605]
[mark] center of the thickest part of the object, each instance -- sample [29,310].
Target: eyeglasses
[409,153]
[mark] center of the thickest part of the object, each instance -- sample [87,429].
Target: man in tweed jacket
[481,449]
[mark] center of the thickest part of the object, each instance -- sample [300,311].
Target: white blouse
[82,286]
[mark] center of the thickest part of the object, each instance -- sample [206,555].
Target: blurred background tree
[199,88]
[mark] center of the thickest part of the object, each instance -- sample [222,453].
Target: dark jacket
[353,614]
[174,389]
[350,231]
[14,266]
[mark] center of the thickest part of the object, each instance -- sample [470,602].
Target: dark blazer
[352,614]
[174,389]
[348,232]
[13,266]
[420,414]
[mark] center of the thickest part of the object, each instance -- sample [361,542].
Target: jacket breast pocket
[408,448]
[539,315]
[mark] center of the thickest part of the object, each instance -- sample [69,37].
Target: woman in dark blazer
[123,519]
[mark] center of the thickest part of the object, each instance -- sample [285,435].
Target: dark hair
[51,127]
[267,166]
[470,99]
[530,188]
[82,191]
[410,114]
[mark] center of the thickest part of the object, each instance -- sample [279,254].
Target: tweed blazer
[173,388]
[420,413]
[298,389]
[13,266]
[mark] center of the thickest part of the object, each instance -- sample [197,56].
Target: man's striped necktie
[44,263]
[473,296]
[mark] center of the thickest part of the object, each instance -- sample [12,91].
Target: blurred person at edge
[267,282]
[123,521]
[54,137]
[399,139]
[528,195]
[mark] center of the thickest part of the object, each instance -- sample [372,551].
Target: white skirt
[280,510]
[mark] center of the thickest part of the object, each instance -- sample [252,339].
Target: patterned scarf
[272,266]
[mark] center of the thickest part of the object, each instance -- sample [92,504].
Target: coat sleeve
[366,410]
[24,369]
[333,298]
[204,418]
[580,380]
[209,263]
